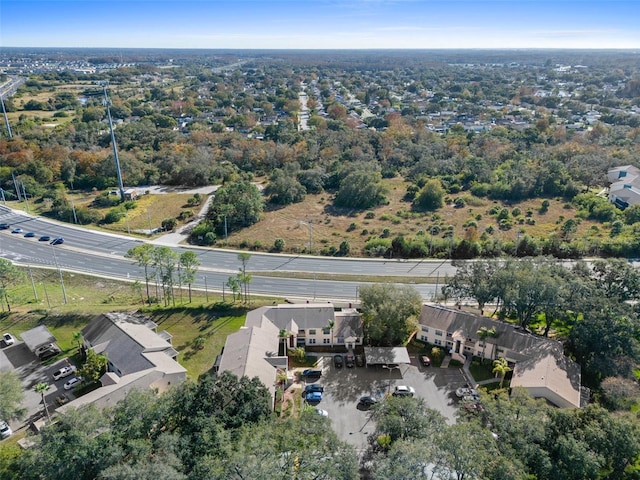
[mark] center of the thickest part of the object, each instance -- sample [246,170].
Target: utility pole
[15,185]
[33,285]
[24,194]
[6,119]
[113,143]
[64,292]
[75,217]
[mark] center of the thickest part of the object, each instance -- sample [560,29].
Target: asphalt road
[102,254]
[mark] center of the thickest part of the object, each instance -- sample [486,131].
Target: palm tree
[331,326]
[501,367]
[485,333]
[41,388]
[283,335]
[77,339]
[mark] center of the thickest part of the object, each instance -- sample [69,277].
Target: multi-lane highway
[103,254]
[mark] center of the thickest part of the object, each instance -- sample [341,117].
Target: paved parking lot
[32,372]
[343,387]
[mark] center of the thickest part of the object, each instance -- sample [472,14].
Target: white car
[466,392]
[74,382]
[64,372]
[8,339]
[403,391]
[322,413]
[5,430]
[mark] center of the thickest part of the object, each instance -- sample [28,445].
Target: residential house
[540,365]
[625,185]
[138,357]
[254,350]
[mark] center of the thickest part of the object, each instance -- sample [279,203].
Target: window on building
[340,340]
[326,340]
[326,331]
[423,338]
[437,342]
[449,344]
[449,334]
[438,333]
[467,349]
[312,332]
[425,329]
[312,341]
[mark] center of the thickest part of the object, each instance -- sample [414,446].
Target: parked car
[309,373]
[367,401]
[64,372]
[403,391]
[314,387]
[8,339]
[45,351]
[29,235]
[322,413]
[4,226]
[337,361]
[311,397]
[74,382]
[16,230]
[471,398]
[57,241]
[5,429]
[44,238]
[465,392]
[350,360]
[425,361]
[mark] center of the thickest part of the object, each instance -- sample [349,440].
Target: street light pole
[64,293]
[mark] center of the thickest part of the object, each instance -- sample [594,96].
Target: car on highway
[44,238]
[8,339]
[4,226]
[403,391]
[314,387]
[64,372]
[337,361]
[312,397]
[74,382]
[350,360]
[310,373]
[29,235]
[17,230]
[5,430]
[367,401]
[45,351]
[57,241]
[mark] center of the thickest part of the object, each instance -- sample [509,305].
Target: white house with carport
[625,185]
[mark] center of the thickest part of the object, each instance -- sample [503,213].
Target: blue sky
[316,24]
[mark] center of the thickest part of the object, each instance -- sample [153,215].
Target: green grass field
[90,296]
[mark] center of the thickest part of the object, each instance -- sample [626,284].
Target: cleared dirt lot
[343,387]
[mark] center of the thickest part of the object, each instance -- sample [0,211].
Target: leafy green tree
[273,450]
[285,189]
[239,202]
[361,189]
[617,279]
[9,275]
[243,277]
[405,418]
[431,196]
[474,280]
[78,446]
[234,284]
[165,261]
[143,255]
[94,366]
[188,264]
[11,396]
[389,312]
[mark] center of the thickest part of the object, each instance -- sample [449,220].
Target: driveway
[344,386]
[32,372]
